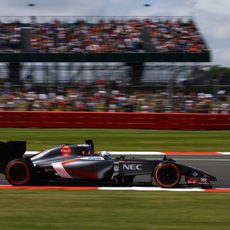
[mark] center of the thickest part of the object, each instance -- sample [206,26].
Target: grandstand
[130,42]
[102,35]
[124,64]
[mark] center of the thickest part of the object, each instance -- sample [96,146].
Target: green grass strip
[123,139]
[57,209]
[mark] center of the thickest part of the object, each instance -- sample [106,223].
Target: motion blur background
[114,63]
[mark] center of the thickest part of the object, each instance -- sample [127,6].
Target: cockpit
[70,151]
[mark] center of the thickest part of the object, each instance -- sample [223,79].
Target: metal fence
[45,73]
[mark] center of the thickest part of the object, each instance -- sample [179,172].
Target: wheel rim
[167,175]
[18,173]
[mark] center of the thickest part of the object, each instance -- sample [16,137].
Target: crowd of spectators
[84,37]
[10,37]
[114,35]
[100,99]
[176,36]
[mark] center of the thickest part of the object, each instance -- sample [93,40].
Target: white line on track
[130,153]
[197,159]
[133,188]
[136,153]
[152,189]
[115,153]
[224,153]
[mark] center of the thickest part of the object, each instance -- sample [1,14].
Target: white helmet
[105,154]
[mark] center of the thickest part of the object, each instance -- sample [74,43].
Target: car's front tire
[18,172]
[167,175]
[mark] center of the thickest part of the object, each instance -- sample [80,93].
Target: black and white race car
[79,162]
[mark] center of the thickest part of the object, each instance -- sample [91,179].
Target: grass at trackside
[56,209]
[123,140]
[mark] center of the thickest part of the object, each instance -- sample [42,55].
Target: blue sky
[211,16]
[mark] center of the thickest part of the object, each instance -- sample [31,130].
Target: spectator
[98,99]
[115,35]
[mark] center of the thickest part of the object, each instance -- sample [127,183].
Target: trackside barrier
[117,120]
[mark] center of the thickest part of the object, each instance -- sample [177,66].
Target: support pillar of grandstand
[15,67]
[135,72]
[25,39]
[171,90]
[14,72]
[148,44]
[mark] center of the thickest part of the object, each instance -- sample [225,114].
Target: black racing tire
[18,172]
[167,175]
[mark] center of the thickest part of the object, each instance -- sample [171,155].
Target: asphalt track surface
[216,165]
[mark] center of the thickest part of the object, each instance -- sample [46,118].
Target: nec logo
[132,167]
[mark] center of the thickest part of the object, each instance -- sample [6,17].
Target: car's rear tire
[18,172]
[167,175]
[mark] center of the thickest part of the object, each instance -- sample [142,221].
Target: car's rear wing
[11,150]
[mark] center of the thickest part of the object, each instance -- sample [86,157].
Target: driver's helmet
[105,154]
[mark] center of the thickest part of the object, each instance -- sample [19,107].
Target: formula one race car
[79,162]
